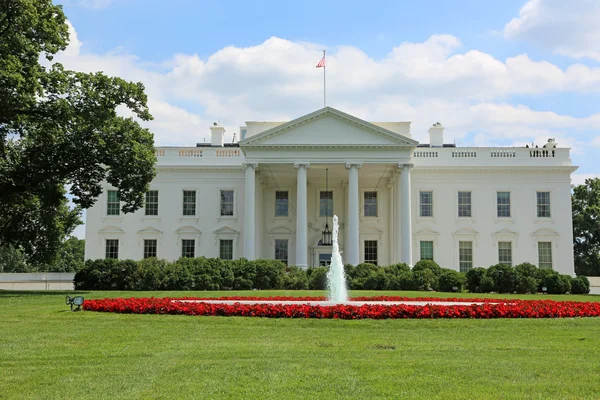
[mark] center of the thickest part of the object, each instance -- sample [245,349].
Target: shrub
[424,279]
[244,273]
[151,272]
[358,275]
[295,279]
[580,285]
[526,284]
[503,278]
[475,280]
[317,278]
[419,274]
[449,279]
[527,278]
[376,280]
[399,277]
[269,274]
[556,283]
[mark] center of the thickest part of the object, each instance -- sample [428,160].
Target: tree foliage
[586,227]
[61,127]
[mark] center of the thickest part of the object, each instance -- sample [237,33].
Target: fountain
[336,278]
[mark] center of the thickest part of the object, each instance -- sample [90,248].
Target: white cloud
[566,27]
[579,179]
[420,82]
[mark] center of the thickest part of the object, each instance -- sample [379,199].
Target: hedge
[215,274]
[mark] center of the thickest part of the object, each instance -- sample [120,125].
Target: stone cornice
[207,168]
[505,168]
[328,146]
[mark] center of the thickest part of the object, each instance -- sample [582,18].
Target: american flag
[321,63]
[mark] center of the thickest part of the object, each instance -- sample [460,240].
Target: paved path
[329,303]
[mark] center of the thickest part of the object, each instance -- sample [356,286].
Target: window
[112,248]
[545,255]
[188,248]
[371,251]
[226,249]
[113,206]
[226,202]
[326,203]
[189,202]
[281,203]
[505,253]
[426,204]
[464,204]
[152,202]
[244,131]
[281,250]
[324,260]
[370,204]
[426,250]
[465,256]
[149,248]
[543,204]
[503,204]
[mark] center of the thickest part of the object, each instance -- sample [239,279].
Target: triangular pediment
[505,232]
[426,232]
[328,127]
[545,232]
[226,229]
[150,230]
[466,231]
[189,229]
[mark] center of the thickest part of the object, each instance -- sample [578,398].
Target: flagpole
[324,83]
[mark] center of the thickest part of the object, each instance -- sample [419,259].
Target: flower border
[491,308]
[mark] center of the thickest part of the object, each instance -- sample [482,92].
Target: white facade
[515,203]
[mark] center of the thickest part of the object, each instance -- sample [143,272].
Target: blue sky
[498,72]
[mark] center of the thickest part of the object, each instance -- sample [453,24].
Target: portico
[365,161]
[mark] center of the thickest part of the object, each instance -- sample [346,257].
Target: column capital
[301,164]
[353,164]
[252,164]
[407,165]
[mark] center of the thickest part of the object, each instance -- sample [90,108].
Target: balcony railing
[482,156]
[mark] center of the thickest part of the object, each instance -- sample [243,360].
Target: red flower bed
[492,308]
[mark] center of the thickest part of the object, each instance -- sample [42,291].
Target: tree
[586,227]
[60,127]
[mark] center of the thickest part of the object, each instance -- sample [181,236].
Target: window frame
[470,204]
[421,249]
[221,203]
[221,241]
[461,260]
[510,249]
[330,214]
[110,203]
[509,204]
[183,202]
[145,244]
[275,192]
[146,202]
[185,242]
[421,204]
[364,201]
[538,205]
[371,242]
[287,250]
[540,262]
[108,250]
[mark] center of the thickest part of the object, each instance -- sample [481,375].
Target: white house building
[271,195]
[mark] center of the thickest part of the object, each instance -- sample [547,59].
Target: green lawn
[47,352]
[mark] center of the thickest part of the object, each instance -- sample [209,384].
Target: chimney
[217,135]
[436,135]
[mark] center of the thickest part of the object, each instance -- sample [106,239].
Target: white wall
[523,221]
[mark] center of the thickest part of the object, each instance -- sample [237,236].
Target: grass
[51,353]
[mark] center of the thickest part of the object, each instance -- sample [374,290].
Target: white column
[301,216]
[250,210]
[391,223]
[352,247]
[406,223]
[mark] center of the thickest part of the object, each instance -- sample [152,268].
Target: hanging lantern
[326,234]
